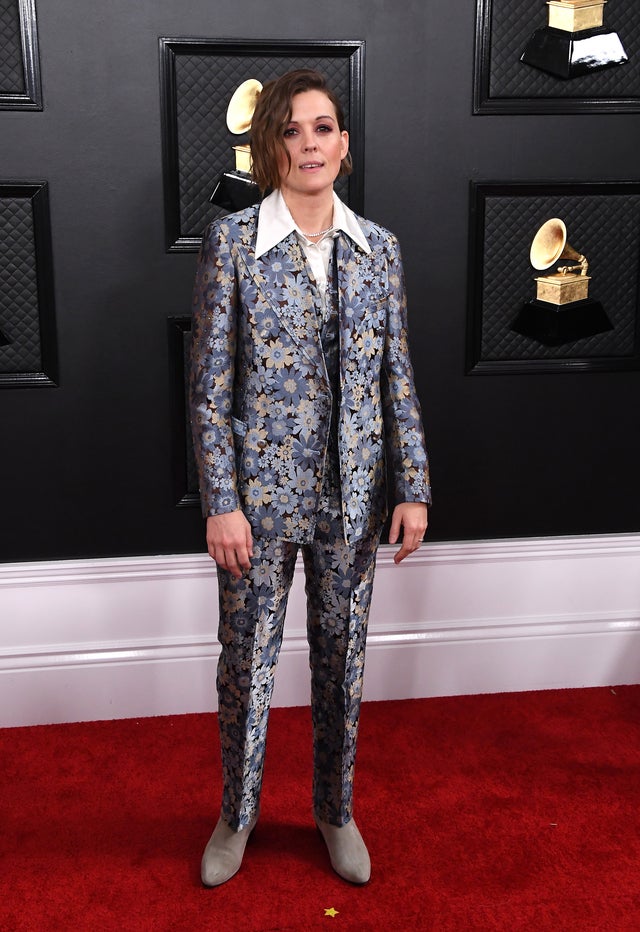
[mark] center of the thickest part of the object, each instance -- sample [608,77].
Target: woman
[302,400]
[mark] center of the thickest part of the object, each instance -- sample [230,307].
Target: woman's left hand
[412,518]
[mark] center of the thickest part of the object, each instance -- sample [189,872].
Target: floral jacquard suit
[261,401]
[264,381]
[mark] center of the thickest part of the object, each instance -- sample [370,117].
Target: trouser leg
[339,580]
[252,611]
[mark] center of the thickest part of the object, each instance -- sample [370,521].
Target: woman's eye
[290,131]
[323,128]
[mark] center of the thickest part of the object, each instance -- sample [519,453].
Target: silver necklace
[321,233]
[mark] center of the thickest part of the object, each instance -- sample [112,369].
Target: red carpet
[507,812]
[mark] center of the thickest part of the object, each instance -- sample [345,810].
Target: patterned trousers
[339,580]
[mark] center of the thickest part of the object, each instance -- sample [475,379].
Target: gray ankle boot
[223,855]
[347,851]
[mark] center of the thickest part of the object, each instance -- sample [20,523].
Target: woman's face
[315,145]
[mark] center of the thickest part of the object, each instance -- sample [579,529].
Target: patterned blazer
[260,396]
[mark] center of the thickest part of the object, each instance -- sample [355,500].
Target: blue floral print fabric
[261,400]
[339,581]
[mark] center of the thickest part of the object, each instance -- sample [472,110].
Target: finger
[231,564]
[225,559]
[415,538]
[237,560]
[402,553]
[218,555]
[244,560]
[394,530]
[408,546]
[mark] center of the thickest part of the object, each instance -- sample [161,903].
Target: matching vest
[330,340]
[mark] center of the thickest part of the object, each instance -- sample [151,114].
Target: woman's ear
[345,143]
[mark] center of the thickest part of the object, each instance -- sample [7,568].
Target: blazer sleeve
[405,442]
[213,351]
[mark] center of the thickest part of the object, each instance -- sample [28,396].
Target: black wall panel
[88,467]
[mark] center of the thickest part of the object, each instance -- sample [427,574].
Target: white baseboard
[132,637]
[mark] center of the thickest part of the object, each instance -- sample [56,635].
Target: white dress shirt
[275,223]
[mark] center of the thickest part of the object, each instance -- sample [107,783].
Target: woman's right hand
[229,541]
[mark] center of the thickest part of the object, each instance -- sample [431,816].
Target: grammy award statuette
[575,40]
[236,189]
[562,310]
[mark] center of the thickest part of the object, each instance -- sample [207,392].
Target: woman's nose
[309,142]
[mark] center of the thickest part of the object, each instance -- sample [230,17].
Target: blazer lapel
[282,277]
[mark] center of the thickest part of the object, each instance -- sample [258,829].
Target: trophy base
[235,190]
[571,54]
[553,325]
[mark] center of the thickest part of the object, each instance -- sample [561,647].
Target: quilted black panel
[508,24]
[199,78]
[605,227]
[19,311]
[185,473]
[204,87]
[191,470]
[19,58]
[11,70]
[28,351]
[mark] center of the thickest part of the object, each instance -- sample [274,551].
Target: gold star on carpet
[331,912]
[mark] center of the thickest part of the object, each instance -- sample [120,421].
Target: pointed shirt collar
[275,223]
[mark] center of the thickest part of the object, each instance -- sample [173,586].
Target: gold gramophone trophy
[562,310]
[569,283]
[236,189]
[575,40]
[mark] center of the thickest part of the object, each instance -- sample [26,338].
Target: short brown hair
[271,116]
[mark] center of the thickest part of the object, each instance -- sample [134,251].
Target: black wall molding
[603,222]
[504,84]
[28,354]
[197,79]
[20,85]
